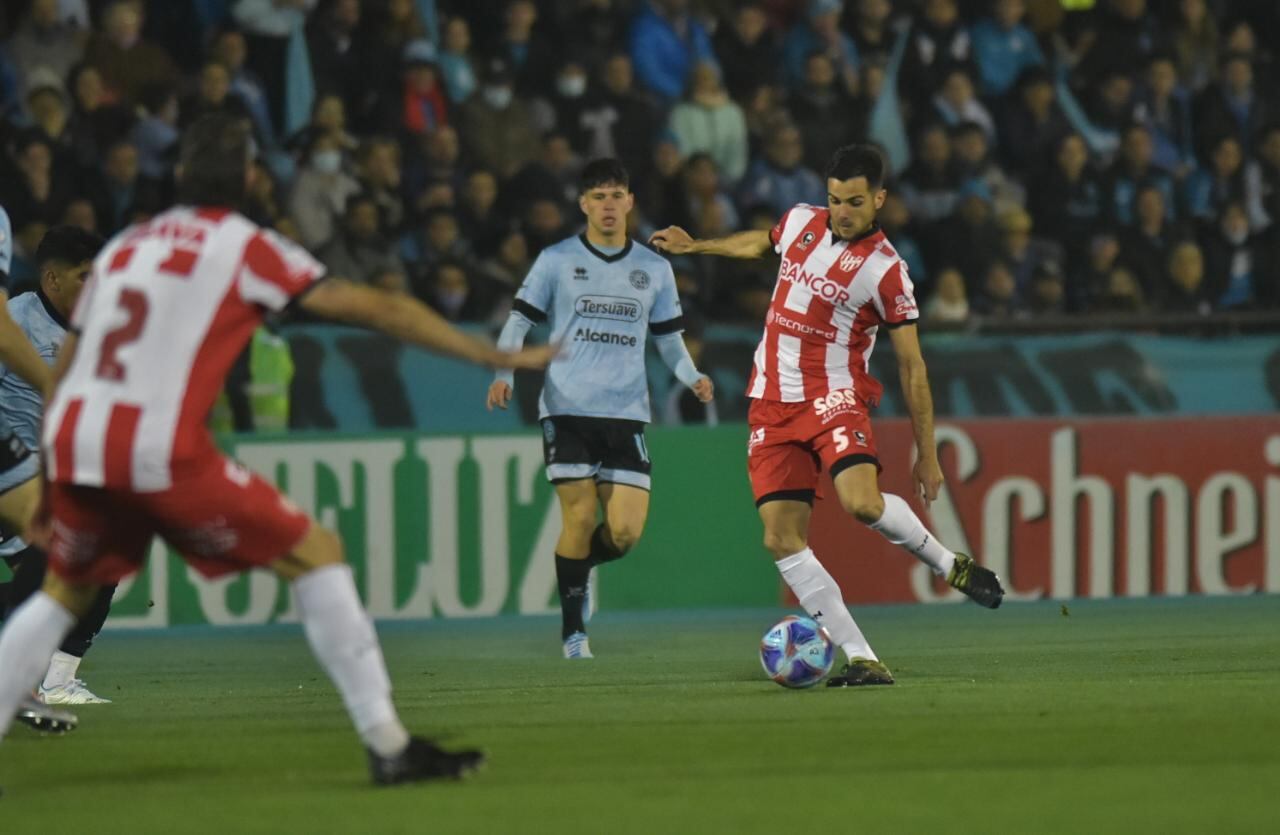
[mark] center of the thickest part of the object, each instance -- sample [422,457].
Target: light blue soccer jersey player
[63,261]
[603,295]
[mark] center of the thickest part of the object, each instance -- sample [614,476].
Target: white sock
[34,631]
[62,670]
[901,526]
[820,597]
[342,637]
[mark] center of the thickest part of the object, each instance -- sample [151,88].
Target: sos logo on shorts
[838,402]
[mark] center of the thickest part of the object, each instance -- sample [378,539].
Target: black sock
[571,577]
[603,551]
[81,637]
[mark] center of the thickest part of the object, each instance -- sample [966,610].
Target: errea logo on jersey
[821,286]
[617,308]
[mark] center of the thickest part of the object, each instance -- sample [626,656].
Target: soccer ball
[796,652]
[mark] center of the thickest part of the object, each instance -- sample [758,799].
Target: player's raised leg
[786,532]
[342,636]
[890,516]
[579,500]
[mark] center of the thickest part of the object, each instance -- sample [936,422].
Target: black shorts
[608,450]
[17,464]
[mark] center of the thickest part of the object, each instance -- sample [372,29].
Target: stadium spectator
[127,62]
[1183,290]
[1122,37]
[45,39]
[321,190]
[998,298]
[1031,125]
[419,101]
[156,133]
[972,149]
[709,122]
[452,294]
[439,237]
[1264,177]
[499,128]
[971,237]
[1022,251]
[552,176]
[1046,295]
[456,63]
[747,50]
[1122,293]
[619,121]
[931,186]
[955,103]
[361,252]
[938,42]
[544,223]
[81,214]
[780,179]
[1195,43]
[895,219]
[1147,241]
[1089,278]
[666,42]
[595,29]
[437,163]
[379,172]
[1239,272]
[1068,200]
[819,32]
[340,53]
[1164,107]
[825,113]
[483,223]
[121,193]
[1003,47]
[1234,104]
[390,29]
[1131,170]
[1208,190]
[949,303]
[213,95]
[531,57]
[50,113]
[231,50]
[508,266]
[869,23]
[96,122]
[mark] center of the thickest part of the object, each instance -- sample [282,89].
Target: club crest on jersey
[807,239]
[639,279]
[850,262]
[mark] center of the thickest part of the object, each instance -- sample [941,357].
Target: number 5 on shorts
[841,439]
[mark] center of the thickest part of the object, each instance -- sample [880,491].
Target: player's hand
[673,239]
[533,359]
[927,477]
[704,389]
[499,395]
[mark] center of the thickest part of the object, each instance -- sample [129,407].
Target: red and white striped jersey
[168,307]
[831,298]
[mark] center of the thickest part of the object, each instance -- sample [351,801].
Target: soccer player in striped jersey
[603,295]
[840,282]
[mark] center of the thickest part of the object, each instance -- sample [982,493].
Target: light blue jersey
[6,249]
[601,308]
[21,406]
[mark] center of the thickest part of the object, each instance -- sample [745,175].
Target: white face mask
[572,86]
[327,162]
[497,97]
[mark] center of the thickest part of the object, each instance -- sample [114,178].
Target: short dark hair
[603,172]
[214,157]
[858,160]
[69,245]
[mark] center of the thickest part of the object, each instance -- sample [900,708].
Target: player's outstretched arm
[674,240]
[511,339]
[409,320]
[17,352]
[914,377]
[675,354]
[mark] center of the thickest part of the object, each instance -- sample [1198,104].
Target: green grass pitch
[1121,716]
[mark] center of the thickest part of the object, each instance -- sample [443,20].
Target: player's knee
[865,510]
[623,537]
[579,521]
[784,543]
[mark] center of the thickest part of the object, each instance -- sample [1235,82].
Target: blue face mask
[327,162]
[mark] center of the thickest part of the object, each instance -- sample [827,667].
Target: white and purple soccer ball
[796,652]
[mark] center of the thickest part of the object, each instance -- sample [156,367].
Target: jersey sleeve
[533,299]
[276,271]
[665,316]
[896,297]
[775,234]
[6,250]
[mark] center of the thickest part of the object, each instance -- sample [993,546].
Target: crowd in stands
[1048,156]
